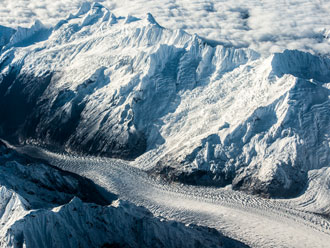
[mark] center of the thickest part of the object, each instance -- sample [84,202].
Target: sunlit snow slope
[181,106]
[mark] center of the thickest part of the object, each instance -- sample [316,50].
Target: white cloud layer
[263,25]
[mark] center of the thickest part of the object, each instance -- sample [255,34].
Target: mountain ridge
[226,115]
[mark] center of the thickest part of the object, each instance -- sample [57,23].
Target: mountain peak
[84,8]
[152,20]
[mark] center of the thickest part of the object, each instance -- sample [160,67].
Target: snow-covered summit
[177,104]
[266,26]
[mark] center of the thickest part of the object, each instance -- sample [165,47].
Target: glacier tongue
[181,107]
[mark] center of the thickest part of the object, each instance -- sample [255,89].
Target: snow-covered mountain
[266,26]
[41,206]
[181,106]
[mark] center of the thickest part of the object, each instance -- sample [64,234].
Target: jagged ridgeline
[187,109]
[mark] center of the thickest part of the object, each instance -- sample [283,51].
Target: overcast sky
[264,25]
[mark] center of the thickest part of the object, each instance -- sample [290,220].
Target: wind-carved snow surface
[180,106]
[39,207]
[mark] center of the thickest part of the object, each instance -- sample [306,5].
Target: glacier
[178,106]
[253,220]
[43,206]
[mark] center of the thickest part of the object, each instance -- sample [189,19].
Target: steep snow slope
[39,207]
[5,35]
[316,197]
[189,110]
